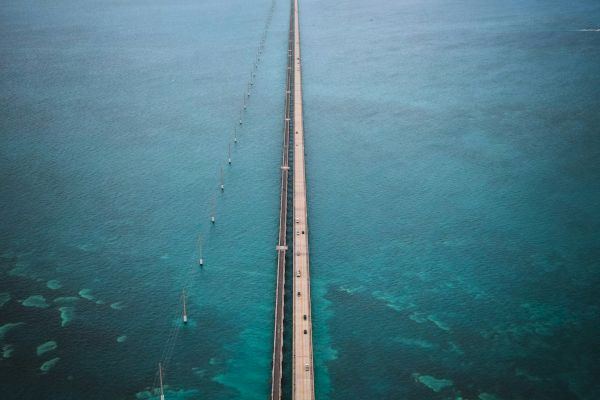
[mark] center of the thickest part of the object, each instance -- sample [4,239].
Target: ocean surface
[453,165]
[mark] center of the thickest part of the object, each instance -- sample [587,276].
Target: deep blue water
[453,161]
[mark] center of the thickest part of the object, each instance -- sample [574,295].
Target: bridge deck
[303,368]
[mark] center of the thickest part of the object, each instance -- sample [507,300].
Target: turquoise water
[115,120]
[452,151]
[453,163]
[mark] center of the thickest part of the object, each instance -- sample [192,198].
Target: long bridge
[303,386]
[302,346]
